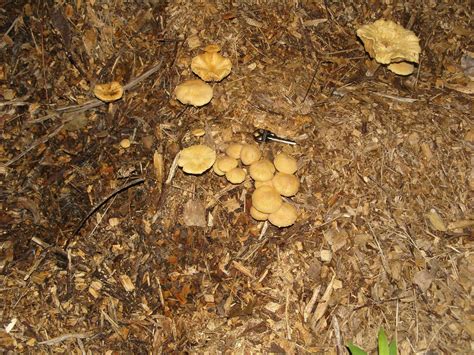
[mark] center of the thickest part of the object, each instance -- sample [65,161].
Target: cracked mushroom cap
[196,159]
[401,68]
[285,164]
[236,175]
[211,66]
[262,170]
[194,92]
[108,92]
[266,199]
[388,42]
[286,184]
[285,216]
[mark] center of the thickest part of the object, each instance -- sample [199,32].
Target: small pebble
[125,143]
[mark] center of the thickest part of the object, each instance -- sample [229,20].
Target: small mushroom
[216,169]
[212,48]
[250,154]
[401,68]
[285,164]
[225,163]
[194,92]
[262,170]
[286,184]
[266,199]
[211,66]
[285,216]
[257,215]
[196,159]
[108,92]
[388,42]
[236,175]
[234,150]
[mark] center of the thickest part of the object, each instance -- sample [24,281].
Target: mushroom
[212,48]
[401,68]
[194,92]
[262,170]
[234,150]
[196,159]
[211,66]
[285,216]
[285,164]
[266,199]
[263,183]
[236,175]
[216,169]
[388,42]
[286,184]
[256,214]
[250,154]
[225,163]
[108,92]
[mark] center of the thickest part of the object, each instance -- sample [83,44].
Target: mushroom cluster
[273,181]
[389,43]
[209,66]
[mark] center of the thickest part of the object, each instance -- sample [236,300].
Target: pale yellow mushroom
[250,154]
[262,170]
[226,163]
[257,215]
[266,199]
[236,175]
[211,66]
[286,184]
[285,216]
[194,92]
[285,164]
[108,92]
[234,150]
[196,159]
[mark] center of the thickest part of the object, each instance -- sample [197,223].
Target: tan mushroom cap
[196,159]
[216,169]
[388,42]
[285,164]
[285,216]
[212,48]
[211,66]
[257,215]
[266,199]
[108,92]
[250,154]
[401,68]
[263,183]
[194,92]
[234,150]
[286,184]
[236,175]
[225,163]
[262,170]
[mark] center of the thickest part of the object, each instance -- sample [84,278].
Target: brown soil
[385,232]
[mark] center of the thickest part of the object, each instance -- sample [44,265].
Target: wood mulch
[386,164]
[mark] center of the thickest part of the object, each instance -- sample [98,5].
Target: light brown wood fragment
[243,269]
[426,150]
[127,283]
[436,221]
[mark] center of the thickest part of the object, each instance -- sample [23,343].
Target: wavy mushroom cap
[194,92]
[108,92]
[212,48]
[266,199]
[285,216]
[196,159]
[285,164]
[211,66]
[388,42]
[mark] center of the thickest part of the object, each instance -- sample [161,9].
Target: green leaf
[355,350]
[392,348]
[383,343]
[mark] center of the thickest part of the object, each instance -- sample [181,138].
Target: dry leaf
[436,220]
[423,280]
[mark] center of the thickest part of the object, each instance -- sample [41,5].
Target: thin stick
[64,337]
[112,194]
